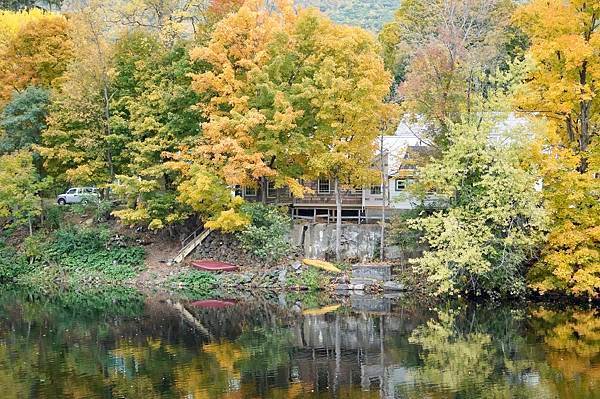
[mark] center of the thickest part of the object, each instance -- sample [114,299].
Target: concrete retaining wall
[359,242]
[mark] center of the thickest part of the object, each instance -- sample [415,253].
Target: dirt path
[159,253]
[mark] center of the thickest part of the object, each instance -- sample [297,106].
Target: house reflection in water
[342,351]
[356,347]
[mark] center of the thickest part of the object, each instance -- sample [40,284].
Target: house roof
[409,142]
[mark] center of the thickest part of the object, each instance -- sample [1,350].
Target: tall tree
[442,53]
[488,219]
[562,87]
[37,55]
[154,106]
[23,119]
[287,88]
[79,146]
[19,202]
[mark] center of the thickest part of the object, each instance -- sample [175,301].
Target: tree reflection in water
[124,345]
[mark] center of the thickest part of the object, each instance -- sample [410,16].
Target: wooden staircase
[190,243]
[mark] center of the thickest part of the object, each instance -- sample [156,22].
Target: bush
[401,234]
[54,215]
[102,210]
[310,278]
[490,221]
[12,264]
[95,250]
[267,236]
[195,283]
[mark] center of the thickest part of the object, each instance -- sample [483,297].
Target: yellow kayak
[321,264]
[320,311]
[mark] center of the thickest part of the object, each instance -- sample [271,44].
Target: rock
[246,278]
[282,276]
[363,281]
[393,286]
[296,265]
[356,287]
[296,309]
[370,304]
[281,300]
[342,287]
[375,272]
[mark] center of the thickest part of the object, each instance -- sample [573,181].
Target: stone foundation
[359,242]
[313,240]
[227,248]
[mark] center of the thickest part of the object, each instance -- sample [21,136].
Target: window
[271,190]
[324,186]
[250,191]
[238,191]
[72,191]
[400,184]
[375,190]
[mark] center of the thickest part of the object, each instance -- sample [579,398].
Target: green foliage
[195,284]
[153,108]
[23,119]
[368,14]
[490,219]
[19,200]
[309,278]
[53,216]
[33,247]
[12,264]
[402,235]
[102,210]
[267,235]
[95,250]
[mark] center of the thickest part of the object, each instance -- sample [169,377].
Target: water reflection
[124,345]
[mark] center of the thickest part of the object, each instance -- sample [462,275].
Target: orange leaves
[285,87]
[37,54]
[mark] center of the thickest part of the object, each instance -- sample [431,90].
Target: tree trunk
[42,218]
[263,190]
[29,222]
[107,131]
[338,220]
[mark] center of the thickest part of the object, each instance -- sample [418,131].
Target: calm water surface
[126,345]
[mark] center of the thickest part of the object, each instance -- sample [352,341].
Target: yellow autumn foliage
[561,90]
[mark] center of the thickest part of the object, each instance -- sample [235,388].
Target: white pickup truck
[79,195]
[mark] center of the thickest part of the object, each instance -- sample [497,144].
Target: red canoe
[213,303]
[214,266]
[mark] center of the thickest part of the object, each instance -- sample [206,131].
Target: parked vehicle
[79,195]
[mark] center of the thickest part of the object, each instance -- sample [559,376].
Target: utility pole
[383,176]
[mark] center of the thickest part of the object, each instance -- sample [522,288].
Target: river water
[123,344]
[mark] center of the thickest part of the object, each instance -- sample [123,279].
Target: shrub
[92,249]
[310,278]
[195,283]
[12,264]
[490,220]
[54,215]
[102,210]
[267,236]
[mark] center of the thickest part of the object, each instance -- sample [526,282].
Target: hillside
[369,14]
